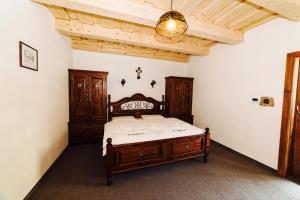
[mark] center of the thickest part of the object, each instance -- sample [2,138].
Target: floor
[79,174]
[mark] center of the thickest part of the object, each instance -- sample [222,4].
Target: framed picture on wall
[28,56]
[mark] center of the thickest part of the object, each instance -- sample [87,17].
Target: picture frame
[28,56]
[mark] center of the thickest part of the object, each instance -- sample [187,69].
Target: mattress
[142,130]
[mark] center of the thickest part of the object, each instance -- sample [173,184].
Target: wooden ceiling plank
[186,7]
[233,14]
[116,48]
[75,28]
[225,10]
[204,4]
[215,7]
[146,15]
[249,18]
[161,4]
[214,32]
[179,4]
[286,8]
[260,22]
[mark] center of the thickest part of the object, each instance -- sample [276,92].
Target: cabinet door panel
[79,100]
[98,97]
[179,95]
[177,102]
[186,89]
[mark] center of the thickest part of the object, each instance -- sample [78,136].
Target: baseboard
[246,157]
[35,187]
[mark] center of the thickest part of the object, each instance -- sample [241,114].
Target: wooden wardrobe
[87,102]
[179,96]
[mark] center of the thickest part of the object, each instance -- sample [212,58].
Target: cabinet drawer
[143,154]
[85,132]
[140,154]
[186,147]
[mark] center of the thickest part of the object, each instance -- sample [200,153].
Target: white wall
[33,105]
[120,66]
[227,79]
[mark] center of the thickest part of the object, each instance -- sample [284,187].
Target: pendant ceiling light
[171,24]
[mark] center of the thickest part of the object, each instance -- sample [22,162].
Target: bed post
[109,161]
[163,104]
[109,108]
[206,143]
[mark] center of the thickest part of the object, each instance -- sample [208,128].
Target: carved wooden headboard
[136,103]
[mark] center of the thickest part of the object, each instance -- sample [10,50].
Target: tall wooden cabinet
[179,96]
[87,100]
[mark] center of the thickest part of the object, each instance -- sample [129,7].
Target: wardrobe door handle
[298,109]
[88,97]
[187,147]
[141,156]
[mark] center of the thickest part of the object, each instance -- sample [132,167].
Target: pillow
[114,119]
[152,117]
[137,115]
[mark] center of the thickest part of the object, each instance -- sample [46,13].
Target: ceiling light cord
[171,5]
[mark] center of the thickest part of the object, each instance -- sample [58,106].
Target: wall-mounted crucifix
[138,71]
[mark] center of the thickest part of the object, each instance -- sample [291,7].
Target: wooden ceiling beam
[286,8]
[96,31]
[58,12]
[123,49]
[147,15]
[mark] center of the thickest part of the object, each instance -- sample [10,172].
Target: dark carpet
[79,174]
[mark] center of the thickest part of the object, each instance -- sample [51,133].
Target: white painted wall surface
[33,105]
[227,79]
[120,66]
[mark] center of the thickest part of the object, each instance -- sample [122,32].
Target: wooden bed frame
[127,157]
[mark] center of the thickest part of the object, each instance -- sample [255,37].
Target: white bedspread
[141,130]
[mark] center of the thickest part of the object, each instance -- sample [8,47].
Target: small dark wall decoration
[138,71]
[153,83]
[123,82]
[28,56]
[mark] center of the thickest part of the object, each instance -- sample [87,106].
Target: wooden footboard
[127,157]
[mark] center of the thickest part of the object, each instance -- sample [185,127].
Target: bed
[130,143]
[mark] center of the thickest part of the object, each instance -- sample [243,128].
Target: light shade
[171,24]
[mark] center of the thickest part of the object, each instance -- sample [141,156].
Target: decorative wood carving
[137,102]
[137,105]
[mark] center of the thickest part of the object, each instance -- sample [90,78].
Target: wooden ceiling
[127,26]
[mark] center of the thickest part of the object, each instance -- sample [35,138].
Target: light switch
[266,101]
[255,100]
